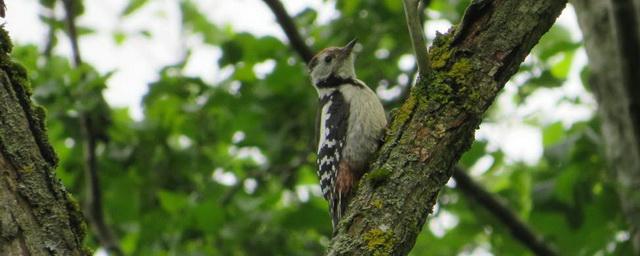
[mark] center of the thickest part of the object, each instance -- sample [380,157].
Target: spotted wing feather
[334,118]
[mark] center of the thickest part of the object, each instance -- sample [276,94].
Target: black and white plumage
[352,122]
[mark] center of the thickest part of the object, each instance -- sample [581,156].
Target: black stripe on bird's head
[333,61]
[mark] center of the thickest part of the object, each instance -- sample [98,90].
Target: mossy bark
[437,123]
[608,84]
[37,215]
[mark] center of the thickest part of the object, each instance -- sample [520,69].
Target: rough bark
[612,82]
[436,124]
[37,215]
[473,190]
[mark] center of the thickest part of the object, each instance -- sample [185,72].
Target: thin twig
[414,24]
[48,48]
[518,228]
[51,35]
[406,90]
[69,6]
[3,8]
[290,29]
[95,212]
[94,209]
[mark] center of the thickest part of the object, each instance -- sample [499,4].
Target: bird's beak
[346,51]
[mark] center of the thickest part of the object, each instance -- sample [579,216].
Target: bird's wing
[333,131]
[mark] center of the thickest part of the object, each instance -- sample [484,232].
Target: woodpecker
[352,123]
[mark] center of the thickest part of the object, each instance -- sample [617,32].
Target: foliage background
[226,167]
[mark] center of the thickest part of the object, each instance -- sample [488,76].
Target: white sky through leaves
[138,59]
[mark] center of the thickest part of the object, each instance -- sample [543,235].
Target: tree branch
[625,27]
[51,34]
[413,164]
[612,45]
[290,29]
[69,6]
[414,24]
[3,9]
[37,216]
[437,123]
[51,38]
[94,209]
[518,228]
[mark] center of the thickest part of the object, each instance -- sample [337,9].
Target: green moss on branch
[49,215]
[378,176]
[379,242]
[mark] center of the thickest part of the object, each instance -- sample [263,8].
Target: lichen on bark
[436,124]
[39,217]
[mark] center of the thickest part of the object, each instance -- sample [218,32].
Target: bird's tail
[338,207]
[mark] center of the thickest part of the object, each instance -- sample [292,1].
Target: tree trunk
[37,215]
[612,45]
[436,124]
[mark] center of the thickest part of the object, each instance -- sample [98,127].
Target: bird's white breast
[367,122]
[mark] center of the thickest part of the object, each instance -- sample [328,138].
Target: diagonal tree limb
[37,214]
[519,229]
[289,27]
[94,209]
[437,124]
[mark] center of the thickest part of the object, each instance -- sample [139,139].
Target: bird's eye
[327,59]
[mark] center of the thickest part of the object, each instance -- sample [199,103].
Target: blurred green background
[220,161]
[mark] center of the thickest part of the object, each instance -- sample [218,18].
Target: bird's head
[333,61]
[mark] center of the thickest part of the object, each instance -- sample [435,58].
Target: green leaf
[133,6]
[349,7]
[145,33]
[393,5]
[48,3]
[195,21]
[119,37]
[172,202]
[585,74]
[244,73]
[208,216]
[307,175]
[83,31]
[478,149]
[233,53]
[556,40]
[299,217]
[306,17]
[552,134]
[123,203]
[561,69]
